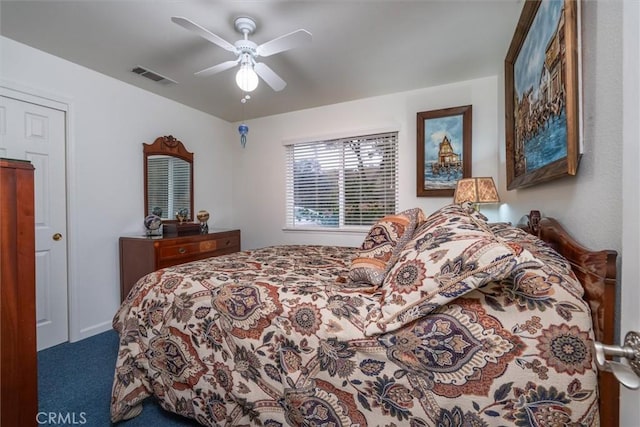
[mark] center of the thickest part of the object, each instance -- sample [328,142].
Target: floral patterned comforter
[275,337]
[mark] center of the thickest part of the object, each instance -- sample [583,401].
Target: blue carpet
[74,386]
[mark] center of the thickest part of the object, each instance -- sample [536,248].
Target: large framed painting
[443,150]
[542,115]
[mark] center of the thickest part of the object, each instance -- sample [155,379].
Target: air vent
[152,75]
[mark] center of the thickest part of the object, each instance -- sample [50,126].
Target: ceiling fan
[247,51]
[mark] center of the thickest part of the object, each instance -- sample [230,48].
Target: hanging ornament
[244,130]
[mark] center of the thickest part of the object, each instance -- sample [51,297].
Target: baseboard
[93,330]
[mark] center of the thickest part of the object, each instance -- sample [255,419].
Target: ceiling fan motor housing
[246,46]
[245,25]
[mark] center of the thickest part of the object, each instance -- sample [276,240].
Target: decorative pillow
[450,254]
[380,248]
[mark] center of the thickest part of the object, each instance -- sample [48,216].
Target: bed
[445,320]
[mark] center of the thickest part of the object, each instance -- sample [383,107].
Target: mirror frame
[167,146]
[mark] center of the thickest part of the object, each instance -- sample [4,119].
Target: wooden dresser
[18,354]
[140,255]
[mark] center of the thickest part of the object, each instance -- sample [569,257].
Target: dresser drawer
[187,249]
[140,255]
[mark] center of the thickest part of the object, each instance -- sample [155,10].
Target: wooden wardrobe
[18,352]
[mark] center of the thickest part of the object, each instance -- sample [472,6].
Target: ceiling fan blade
[217,68]
[286,42]
[203,32]
[269,76]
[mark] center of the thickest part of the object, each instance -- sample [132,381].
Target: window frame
[391,144]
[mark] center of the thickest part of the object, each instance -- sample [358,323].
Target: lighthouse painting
[443,150]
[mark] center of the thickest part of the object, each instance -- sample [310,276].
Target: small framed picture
[443,150]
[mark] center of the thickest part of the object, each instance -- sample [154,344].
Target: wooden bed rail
[596,270]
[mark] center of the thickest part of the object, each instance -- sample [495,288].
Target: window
[342,183]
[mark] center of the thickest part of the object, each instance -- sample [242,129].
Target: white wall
[109,122]
[260,168]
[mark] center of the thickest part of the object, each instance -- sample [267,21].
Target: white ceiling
[359,48]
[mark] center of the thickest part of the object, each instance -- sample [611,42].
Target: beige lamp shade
[476,190]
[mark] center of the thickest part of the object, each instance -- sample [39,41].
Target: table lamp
[476,190]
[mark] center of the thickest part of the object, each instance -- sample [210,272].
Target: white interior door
[37,133]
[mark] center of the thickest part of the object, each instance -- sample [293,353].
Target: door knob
[627,374]
[57,237]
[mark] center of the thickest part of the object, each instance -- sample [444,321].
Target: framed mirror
[168,179]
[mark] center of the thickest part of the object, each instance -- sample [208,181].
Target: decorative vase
[182,215]
[203,217]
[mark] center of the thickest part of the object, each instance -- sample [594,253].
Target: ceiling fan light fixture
[247,51]
[246,78]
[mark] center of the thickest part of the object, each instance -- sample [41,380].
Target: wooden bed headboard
[596,270]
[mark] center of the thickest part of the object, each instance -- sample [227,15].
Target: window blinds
[168,183]
[342,183]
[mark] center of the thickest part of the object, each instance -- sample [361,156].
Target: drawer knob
[182,250]
[228,242]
